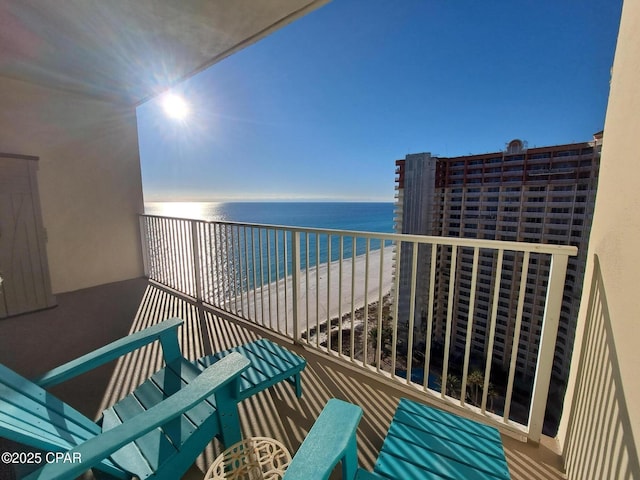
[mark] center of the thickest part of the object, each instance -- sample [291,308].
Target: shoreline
[271,305]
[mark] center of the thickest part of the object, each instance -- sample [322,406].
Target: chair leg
[350,460]
[298,384]
[227,411]
[230,430]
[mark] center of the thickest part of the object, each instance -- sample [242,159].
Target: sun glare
[195,210]
[175,106]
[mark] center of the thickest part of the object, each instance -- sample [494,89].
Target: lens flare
[175,106]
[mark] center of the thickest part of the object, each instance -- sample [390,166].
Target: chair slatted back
[31,416]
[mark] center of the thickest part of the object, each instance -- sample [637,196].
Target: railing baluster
[231,268]
[394,335]
[328,327]
[295,283]
[467,346]
[380,301]
[174,253]
[160,262]
[365,329]
[231,288]
[186,276]
[516,335]
[492,330]
[222,264]
[412,309]
[186,256]
[216,259]
[243,312]
[447,336]
[318,290]
[153,253]
[247,273]
[160,255]
[171,242]
[268,231]
[213,299]
[306,282]
[212,252]
[197,258]
[285,275]
[205,267]
[235,255]
[277,249]
[181,273]
[255,274]
[353,298]
[341,253]
[555,288]
[432,287]
[163,243]
[144,236]
[261,275]
[182,258]
[166,253]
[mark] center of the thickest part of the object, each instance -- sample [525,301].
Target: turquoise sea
[361,216]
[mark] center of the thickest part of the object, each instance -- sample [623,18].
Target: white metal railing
[419,310]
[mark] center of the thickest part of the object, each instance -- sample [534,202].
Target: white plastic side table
[255,458]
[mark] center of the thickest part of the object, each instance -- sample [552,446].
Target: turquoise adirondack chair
[422,443]
[157,431]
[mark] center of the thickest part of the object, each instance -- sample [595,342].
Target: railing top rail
[549,249]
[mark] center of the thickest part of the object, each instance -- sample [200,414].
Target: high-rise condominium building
[540,195]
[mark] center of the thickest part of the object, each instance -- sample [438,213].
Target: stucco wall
[89,180]
[600,428]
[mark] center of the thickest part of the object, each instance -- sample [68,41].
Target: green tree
[453,385]
[385,342]
[475,381]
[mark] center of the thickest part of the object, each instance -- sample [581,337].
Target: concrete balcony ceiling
[130,51]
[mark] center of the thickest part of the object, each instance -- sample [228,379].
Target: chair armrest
[332,439]
[94,450]
[166,331]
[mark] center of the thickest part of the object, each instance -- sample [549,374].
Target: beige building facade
[536,195]
[600,425]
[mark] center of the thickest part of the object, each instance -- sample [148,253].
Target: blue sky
[321,109]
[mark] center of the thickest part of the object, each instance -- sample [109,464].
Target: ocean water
[362,217]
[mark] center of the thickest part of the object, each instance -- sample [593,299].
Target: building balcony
[233,282]
[95,316]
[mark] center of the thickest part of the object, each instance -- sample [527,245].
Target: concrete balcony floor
[87,319]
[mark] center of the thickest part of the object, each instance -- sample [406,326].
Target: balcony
[258,285]
[323,289]
[95,316]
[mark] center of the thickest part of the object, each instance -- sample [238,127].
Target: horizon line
[272,200]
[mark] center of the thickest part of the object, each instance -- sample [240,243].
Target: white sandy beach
[272,305]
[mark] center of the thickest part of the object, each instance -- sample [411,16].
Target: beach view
[332,285]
